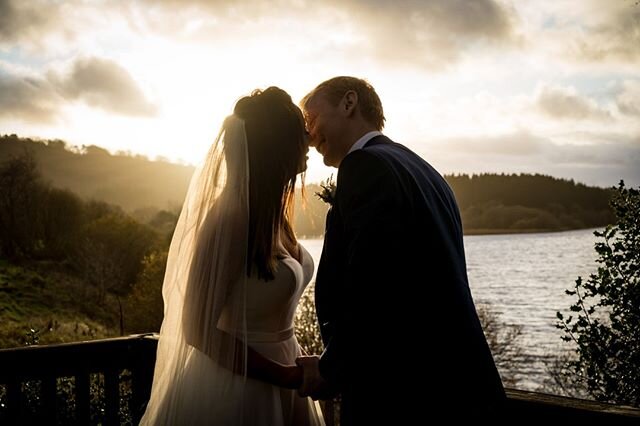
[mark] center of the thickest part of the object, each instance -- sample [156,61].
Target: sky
[473,86]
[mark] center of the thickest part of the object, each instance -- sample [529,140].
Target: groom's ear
[349,102]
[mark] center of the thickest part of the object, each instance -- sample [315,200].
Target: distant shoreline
[496,231]
[491,231]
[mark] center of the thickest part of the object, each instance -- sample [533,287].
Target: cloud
[29,99]
[628,101]
[433,33]
[33,23]
[103,83]
[610,150]
[603,159]
[427,33]
[589,31]
[100,83]
[613,32]
[513,144]
[565,103]
[17,22]
[604,162]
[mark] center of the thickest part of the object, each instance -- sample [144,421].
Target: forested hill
[489,203]
[537,191]
[132,182]
[524,202]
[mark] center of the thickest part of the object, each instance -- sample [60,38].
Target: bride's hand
[290,377]
[313,384]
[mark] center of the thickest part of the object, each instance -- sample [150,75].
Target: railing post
[48,389]
[13,400]
[142,376]
[112,395]
[140,391]
[83,392]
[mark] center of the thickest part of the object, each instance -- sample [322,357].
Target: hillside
[41,302]
[498,203]
[489,203]
[130,182]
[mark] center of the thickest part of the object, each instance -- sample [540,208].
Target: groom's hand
[313,384]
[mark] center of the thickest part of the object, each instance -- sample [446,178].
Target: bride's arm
[267,370]
[227,350]
[258,366]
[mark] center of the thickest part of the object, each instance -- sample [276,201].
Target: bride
[235,273]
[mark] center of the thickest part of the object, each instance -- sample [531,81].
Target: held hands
[313,385]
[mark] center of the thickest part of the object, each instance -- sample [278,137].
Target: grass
[43,302]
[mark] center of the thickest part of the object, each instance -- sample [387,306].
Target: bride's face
[305,151]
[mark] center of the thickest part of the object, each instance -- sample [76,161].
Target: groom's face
[325,132]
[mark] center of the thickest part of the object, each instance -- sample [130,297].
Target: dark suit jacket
[392,278]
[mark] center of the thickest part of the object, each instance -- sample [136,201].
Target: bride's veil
[204,287]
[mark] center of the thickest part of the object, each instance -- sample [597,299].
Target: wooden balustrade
[110,382]
[102,375]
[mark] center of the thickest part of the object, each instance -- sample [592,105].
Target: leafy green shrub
[606,330]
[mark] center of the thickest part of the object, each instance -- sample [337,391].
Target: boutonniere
[328,192]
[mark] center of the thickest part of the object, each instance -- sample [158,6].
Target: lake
[523,277]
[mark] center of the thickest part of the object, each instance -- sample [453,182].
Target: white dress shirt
[363,140]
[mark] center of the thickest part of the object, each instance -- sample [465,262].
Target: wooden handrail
[538,407]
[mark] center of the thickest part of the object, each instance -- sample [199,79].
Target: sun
[197,86]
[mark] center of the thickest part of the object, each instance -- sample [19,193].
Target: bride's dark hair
[276,147]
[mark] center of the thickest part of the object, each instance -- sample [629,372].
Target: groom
[392,277]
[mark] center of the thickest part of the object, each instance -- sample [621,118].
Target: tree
[111,255]
[606,332]
[22,195]
[144,308]
[62,222]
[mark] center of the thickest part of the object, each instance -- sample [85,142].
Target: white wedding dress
[209,301]
[207,394]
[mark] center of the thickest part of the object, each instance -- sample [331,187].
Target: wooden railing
[102,381]
[539,408]
[109,381]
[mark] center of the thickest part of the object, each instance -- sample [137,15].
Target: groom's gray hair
[368,100]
